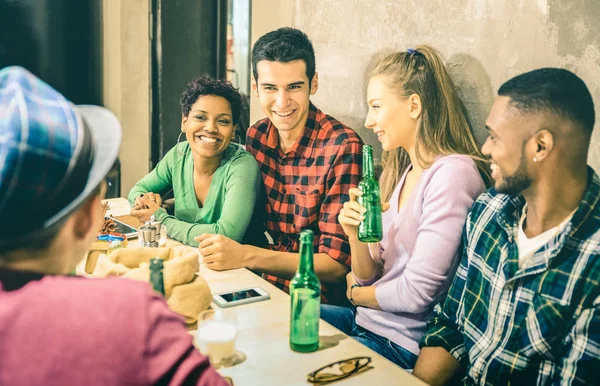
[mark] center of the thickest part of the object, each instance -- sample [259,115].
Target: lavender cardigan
[419,252]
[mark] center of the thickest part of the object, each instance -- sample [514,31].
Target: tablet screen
[123,228]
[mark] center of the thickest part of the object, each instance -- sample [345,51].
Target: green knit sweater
[230,205]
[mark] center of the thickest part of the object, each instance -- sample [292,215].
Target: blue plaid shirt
[535,325]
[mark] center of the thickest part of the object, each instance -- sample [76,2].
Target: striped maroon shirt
[307,187]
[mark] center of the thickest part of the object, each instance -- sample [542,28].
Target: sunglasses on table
[339,370]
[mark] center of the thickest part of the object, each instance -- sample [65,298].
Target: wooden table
[263,336]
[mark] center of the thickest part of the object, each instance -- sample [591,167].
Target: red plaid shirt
[307,187]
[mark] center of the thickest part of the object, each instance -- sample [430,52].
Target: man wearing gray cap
[56,329]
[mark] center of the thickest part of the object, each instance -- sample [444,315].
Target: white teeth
[284,114]
[494,167]
[207,139]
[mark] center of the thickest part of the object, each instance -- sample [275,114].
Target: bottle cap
[306,236]
[156,263]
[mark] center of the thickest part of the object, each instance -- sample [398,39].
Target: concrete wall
[241,50]
[267,15]
[126,82]
[485,42]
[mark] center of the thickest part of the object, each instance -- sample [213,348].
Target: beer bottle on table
[370,230]
[305,292]
[156,275]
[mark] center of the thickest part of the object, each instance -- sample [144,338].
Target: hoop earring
[178,140]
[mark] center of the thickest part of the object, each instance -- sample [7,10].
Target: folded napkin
[186,292]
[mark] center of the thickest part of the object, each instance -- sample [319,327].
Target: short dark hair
[552,89]
[207,86]
[284,45]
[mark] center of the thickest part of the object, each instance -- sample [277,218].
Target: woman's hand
[147,207]
[139,201]
[352,214]
[361,296]
[350,280]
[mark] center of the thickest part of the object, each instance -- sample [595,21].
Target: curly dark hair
[207,86]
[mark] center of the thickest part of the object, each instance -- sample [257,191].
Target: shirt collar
[304,145]
[510,213]
[588,204]
[512,208]
[11,280]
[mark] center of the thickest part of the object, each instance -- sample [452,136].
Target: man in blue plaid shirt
[524,307]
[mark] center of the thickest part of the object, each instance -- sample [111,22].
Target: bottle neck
[156,275]
[368,167]
[306,258]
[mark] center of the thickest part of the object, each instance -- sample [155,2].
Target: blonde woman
[433,172]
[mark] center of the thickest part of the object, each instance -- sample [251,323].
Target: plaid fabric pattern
[537,325]
[307,187]
[39,131]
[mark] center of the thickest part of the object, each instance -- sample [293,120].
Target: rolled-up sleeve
[344,174]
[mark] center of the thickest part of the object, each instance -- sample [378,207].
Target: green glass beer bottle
[156,275]
[305,292]
[370,230]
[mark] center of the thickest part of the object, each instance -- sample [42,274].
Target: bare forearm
[362,264]
[436,366]
[365,296]
[285,264]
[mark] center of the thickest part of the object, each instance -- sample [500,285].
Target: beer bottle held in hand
[156,275]
[370,230]
[305,292]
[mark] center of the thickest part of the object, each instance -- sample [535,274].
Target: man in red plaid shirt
[308,161]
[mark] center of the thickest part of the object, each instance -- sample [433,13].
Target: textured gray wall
[485,42]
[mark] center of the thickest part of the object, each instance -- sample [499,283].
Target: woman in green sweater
[216,184]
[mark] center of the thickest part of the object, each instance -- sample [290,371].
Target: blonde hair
[443,127]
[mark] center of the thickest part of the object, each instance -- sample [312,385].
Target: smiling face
[209,126]
[391,117]
[508,145]
[284,93]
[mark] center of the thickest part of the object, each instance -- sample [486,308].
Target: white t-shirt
[528,246]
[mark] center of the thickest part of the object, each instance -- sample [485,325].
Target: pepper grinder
[147,235]
[161,231]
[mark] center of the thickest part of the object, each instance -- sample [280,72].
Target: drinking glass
[217,332]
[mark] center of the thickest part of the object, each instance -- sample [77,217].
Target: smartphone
[237,298]
[129,231]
